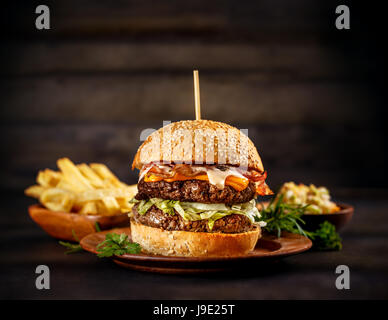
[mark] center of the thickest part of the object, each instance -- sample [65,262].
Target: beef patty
[194,191]
[154,217]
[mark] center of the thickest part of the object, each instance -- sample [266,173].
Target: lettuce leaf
[194,211]
[144,206]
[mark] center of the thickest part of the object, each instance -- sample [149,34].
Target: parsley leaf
[117,244]
[326,237]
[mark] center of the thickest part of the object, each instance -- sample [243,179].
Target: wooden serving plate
[338,219]
[62,225]
[268,248]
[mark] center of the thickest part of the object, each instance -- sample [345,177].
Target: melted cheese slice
[215,177]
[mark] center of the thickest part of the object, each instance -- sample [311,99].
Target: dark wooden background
[312,97]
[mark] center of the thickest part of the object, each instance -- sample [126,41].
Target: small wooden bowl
[61,225]
[312,221]
[338,219]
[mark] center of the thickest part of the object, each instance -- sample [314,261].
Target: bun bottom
[193,244]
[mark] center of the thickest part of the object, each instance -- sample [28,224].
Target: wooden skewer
[197,97]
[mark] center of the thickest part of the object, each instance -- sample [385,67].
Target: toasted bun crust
[193,244]
[195,141]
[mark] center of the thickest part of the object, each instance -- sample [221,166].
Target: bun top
[199,142]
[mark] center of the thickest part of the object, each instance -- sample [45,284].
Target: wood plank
[292,61]
[250,98]
[141,17]
[310,154]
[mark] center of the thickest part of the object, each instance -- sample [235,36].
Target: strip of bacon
[181,172]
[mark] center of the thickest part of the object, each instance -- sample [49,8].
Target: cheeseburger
[196,192]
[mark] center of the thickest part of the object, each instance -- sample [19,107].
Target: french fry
[73,175]
[89,208]
[68,185]
[57,199]
[102,210]
[111,205]
[124,204]
[34,191]
[48,178]
[86,189]
[132,190]
[107,175]
[97,194]
[90,175]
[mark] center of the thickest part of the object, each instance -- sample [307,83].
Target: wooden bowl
[312,221]
[338,219]
[62,225]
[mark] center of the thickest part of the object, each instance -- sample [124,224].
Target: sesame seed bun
[199,142]
[194,244]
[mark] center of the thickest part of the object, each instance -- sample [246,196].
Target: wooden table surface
[310,275]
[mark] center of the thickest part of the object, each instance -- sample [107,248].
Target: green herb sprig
[72,247]
[117,244]
[325,237]
[280,216]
